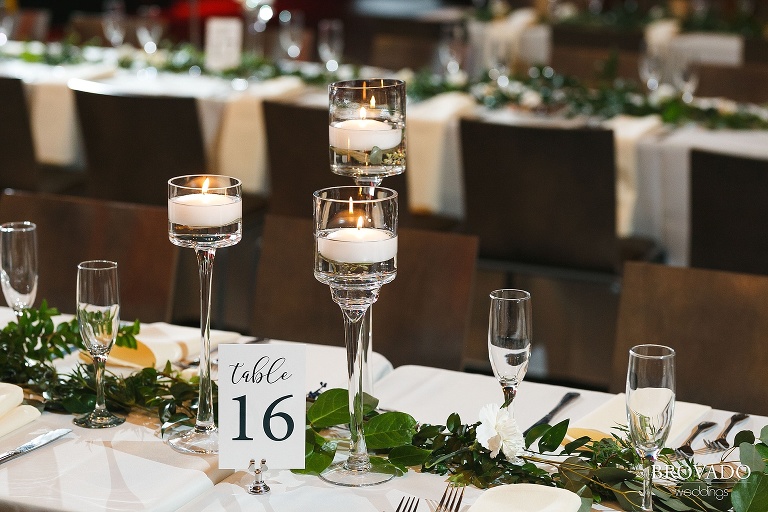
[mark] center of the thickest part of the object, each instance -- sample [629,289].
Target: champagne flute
[98,315]
[650,68]
[509,338]
[686,79]
[355,231]
[149,30]
[18,268]
[650,406]
[113,22]
[330,42]
[450,50]
[291,33]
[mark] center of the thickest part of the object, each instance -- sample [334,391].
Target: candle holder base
[199,440]
[342,474]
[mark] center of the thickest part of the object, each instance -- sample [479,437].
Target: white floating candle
[204,210]
[363,134]
[358,245]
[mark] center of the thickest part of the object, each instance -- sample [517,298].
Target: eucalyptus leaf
[745,436]
[764,434]
[751,457]
[751,494]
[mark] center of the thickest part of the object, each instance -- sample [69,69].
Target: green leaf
[318,454]
[576,444]
[408,455]
[331,408]
[751,457]
[751,494]
[745,436]
[389,430]
[552,438]
[384,466]
[611,475]
[535,433]
[764,434]
[453,423]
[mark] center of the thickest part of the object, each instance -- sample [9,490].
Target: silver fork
[721,443]
[408,505]
[451,500]
[685,451]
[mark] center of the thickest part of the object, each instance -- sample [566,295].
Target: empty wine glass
[650,406]
[450,50]
[18,268]
[686,79]
[291,32]
[330,42]
[149,30]
[509,338]
[649,68]
[98,315]
[113,22]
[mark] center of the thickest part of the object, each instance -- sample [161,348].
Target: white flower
[530,99]
[498,431]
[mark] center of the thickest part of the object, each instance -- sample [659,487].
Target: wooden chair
[75,229]
[716,322]
[297,170]
[135,144]
[543,203]
[748,84]
[420,318]
[728,207]
[18,166]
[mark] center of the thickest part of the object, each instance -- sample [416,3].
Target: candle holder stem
[204,437]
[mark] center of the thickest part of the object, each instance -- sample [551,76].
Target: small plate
[526,498]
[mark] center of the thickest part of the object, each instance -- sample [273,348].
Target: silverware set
[449,502]
[719,444]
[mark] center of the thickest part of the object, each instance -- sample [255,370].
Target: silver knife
[546,419]
[37,442]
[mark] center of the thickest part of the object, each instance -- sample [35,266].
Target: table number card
[262,405]
[223,43]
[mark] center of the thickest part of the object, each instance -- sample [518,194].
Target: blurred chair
[31,25]
[296,172]
[75,229]
[18,166]
[756,48]
[747,84]
[716,322]
[420,318]
[135,144]
[728,209]
[543,203]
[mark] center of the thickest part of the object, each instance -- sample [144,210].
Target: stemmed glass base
[199,440]
[98,419]
[345,473]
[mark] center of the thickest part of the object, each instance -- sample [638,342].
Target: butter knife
[37,442]
[567,398]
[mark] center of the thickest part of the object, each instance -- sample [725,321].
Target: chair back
[135,144]
[716,322]
[541,196]
[421,317]
[31,25]
[728,207]
[75,229]
[18,168]
[747,84]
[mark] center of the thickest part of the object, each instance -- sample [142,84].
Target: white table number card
[223,43]
[262,405]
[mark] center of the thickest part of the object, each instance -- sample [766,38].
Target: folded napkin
[161,342]
[13,414]
[526,498]
[614,413]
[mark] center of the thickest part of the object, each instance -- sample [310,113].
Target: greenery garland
[594,470]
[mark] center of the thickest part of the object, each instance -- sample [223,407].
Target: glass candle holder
[366,131]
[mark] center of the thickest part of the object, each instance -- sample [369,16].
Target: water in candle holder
[206,236]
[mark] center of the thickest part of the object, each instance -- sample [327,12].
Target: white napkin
[13,414]
[614,413]
[434,158]
[658,34]
[627,131]
[242,139]
[526,498]
[708,48]
[173,343]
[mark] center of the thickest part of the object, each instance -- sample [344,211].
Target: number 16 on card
[262,405]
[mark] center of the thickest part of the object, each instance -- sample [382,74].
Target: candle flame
[206,183]
[363,90]
[363,113]
[350,205]
[373,102]
[359,223]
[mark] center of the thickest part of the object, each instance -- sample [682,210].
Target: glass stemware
[149,30]
[649,68]
[98,315]
[330,42]
[509,338]
[450,50]
[355,230]
[650,406]
[204,213]
[291,34]
[18,264]
[113,22]
[686,79]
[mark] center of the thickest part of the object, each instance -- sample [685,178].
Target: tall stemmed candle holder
[204,213]
[366,129]
[355,259]
[366,136]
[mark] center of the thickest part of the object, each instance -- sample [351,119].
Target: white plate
[526,498]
